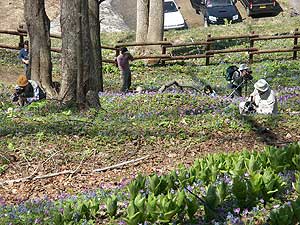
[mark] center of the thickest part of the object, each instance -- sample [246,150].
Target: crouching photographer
[261,101]
[27,91]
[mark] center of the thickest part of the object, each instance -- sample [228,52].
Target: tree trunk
[142,18]
[82,67]
[68,19]
[38,26]
[156,21]
[78,63]
[96,80]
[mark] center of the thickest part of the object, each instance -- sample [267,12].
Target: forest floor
[161,159]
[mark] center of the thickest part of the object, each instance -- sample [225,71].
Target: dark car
[217,11]
[255,7]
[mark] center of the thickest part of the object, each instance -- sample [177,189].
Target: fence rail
[207,51]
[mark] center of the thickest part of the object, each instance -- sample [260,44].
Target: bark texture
[68,20]
[96,80]
[78,62]
[38,26]
[142,17]
[156,21]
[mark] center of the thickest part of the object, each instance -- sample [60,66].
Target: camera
[250,107]
[248,75]
[18,92]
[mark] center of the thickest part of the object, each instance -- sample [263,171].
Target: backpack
[229,72]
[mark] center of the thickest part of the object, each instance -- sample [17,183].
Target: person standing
[123,64]
[24,57]
[261,101]
[238,79]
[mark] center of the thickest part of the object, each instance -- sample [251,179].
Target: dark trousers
[126,81]
[27,71]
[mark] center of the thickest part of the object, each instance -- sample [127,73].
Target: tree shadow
[263,131]
[223,44]
[192,50]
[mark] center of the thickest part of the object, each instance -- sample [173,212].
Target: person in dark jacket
[24,57]
[27,91]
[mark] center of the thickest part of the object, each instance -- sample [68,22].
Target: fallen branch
[120,164]
[164,87]
[30,178]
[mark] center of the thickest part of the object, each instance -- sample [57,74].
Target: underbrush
[238,188]
[247,187]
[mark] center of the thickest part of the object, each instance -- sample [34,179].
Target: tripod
[243,83]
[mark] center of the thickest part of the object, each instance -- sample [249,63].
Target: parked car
[255,7]
[172,16]
[217,11]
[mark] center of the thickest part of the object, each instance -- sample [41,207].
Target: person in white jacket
[262,100]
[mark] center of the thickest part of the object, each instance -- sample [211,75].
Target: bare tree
[150,20]
[156,21]
[38,26]
[142,17]
[79,82]
[96,80]
[68,21]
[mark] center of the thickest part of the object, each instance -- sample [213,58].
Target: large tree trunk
[68,19]
[142,18]
[78,63]
[96,80]
[156,21]
[38,26]
[82,68]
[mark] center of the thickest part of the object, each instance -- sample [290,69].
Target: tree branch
[120,164]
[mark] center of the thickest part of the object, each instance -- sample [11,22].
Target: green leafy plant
[296,184]
[136,185]
[283,215]
[111,205]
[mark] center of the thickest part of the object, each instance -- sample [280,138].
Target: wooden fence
[207,46]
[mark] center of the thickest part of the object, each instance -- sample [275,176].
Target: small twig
[76,170]
[120,164]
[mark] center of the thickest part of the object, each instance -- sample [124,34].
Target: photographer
[27,91]
[123,63]
[262,100]
[239,77]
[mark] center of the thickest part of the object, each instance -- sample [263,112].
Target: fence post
[251,46]
[163,52]
[207,48]
[295,43]
[21,37]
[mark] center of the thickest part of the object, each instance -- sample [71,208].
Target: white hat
[243,67]
[261,85]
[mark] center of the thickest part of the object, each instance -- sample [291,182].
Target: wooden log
[230,50]
[187,57]
[120,164]
[58,36]
[142,44]
[189,44]
[232,37]
[276,37]
[9,47]
[12,32]
[274,51]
